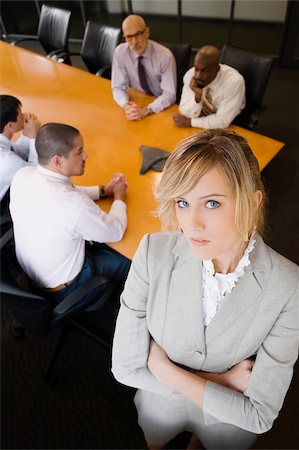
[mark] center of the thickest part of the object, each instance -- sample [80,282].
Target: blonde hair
[195,156]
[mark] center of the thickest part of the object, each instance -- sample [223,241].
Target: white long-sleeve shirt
[227,91]
[13,156]
[160,67]
[52,219]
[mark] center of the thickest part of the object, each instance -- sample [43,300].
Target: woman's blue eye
[212,204]
[182,203]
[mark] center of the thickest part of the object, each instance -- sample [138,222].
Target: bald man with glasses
[144,65]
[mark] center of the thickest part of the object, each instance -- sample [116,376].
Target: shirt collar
[4,139]
[146,54]
[244,261]
[52,174]
[216,79]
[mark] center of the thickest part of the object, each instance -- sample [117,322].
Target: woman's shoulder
[281,267]
[163,238]
[156,251]
[158,243]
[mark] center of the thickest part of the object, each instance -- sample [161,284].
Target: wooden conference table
[59,93]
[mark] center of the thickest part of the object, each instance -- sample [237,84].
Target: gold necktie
[207,104]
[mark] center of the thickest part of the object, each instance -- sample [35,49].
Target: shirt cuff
[196,123]
[119,204]
[91,191]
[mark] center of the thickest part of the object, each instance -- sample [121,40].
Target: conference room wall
[257,26]
[254,10]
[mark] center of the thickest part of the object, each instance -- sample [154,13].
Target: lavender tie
[142,77]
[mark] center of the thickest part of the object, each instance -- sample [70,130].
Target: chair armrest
[62,53]
[62,56]
[76,301]
[104,72]
[255,115]
[58,55]
[5,218]
[17,41]
[7,236]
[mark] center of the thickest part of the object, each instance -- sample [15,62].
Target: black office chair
[256,71]
[5,219]
[99,43]
[182,54]
[35,312]
[53,31]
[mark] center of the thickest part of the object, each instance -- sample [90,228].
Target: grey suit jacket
[162,299]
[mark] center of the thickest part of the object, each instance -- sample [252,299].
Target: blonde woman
[208,325]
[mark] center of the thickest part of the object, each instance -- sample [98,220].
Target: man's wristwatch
[149,110]
[102,192]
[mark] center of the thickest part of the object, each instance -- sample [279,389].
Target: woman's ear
[258,196]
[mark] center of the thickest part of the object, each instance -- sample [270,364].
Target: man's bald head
[206,65]
[133,21]
[210,53]
[136,33]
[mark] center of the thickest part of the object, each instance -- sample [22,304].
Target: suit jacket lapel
[184,313]
[185,303]
[247,292]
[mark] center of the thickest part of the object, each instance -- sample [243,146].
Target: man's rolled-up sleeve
[188,106]
[94,224]
[231,105]
[119,81]
[168,85]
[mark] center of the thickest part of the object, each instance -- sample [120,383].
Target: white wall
[207,8]
[263,10]
[259,10]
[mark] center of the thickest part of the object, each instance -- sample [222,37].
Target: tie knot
[140,58]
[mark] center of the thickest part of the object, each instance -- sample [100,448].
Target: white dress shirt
[160,68]
[227,91]
[13,156]
[52,219]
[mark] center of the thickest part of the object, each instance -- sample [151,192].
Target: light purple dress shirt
[160,67]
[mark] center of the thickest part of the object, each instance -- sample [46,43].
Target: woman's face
[206,215]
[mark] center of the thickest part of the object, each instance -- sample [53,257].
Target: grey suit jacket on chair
[162,299]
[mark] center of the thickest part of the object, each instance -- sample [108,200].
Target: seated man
[144,65]
[213,94]
[52,218]
[14,155]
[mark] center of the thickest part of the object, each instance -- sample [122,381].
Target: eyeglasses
[137,35]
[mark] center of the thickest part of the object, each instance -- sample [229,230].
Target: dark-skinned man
[213,93]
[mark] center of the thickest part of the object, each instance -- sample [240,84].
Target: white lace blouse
[216,285]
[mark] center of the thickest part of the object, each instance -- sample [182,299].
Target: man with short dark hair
[144,65]
[213,94]
[14,155]
[52,218]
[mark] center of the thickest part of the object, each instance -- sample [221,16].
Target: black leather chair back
[32,311]
[256,70]
[98,45]
[37,313]
[182,54]
[54,28]
[5,219]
